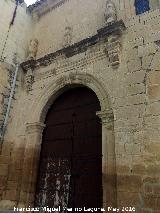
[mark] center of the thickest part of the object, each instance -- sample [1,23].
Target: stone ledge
[42,7]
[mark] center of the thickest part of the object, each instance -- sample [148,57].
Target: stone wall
[129,92]
[83,21]
[15,33]
[15,38]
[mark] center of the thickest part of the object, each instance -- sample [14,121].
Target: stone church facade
[55,45]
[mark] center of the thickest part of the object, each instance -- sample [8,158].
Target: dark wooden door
[70,171]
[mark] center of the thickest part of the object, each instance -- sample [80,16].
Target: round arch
[54,89]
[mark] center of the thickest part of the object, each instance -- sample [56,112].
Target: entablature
[111,33]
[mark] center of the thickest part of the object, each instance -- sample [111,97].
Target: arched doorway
[70,171]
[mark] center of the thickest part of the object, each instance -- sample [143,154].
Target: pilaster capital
[36,127]
[106,117]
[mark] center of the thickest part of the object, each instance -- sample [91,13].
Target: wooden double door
[70,170]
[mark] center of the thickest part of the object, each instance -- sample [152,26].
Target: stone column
[31,163]
[109,159]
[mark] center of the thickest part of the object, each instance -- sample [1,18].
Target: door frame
[34,130]
[83,96]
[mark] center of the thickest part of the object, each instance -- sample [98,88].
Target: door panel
[70,170]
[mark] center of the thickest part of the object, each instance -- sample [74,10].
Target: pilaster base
[7,205]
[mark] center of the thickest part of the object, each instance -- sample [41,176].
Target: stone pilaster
[109,159]
[31,162]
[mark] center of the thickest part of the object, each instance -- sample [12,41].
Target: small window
[141,6]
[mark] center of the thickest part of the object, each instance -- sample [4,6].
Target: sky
[29,2]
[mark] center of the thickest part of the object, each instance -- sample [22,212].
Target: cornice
[42,7]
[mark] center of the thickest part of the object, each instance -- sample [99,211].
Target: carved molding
[110,13]
[73,78]
[67,36]
[36,127]
[46,74]
[33,48]
[113,47]
[29,79]
[108,31]
[29,64]
[42,7]
[114,50]
[29,74]
[106,117]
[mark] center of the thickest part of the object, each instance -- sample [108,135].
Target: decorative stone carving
[111,13]
[114,50]
[33,48]
[35,17]
[106,117]
[113,33]
[67,36]
[36,127]
[29,80]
